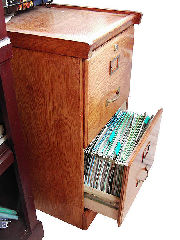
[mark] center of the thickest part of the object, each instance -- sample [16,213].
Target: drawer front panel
[140,163]
[107,81]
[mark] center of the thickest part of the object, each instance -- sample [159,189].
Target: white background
[155,83]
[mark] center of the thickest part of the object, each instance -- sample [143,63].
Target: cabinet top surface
[72,24]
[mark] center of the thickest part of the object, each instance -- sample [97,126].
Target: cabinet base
[88,217]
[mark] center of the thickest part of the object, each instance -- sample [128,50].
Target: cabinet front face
[107,81]
[133,176]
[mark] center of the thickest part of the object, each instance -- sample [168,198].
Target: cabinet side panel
[49,95]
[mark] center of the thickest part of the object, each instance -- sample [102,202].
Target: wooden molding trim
[137,15]
[49,45]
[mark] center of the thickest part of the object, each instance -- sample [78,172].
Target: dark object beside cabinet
[15,190]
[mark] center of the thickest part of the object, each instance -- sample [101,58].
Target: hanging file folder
[108,153]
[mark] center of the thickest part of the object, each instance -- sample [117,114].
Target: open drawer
[132,177]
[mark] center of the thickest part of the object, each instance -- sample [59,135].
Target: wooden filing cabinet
[72,69]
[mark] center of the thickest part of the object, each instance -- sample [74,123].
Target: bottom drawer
[129,176]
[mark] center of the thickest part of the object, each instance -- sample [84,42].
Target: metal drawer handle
[108,101]
[142,180]
[114,65]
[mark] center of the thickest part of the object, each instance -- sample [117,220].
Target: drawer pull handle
[114,65]
[108,101]
[142,180]
[116,47]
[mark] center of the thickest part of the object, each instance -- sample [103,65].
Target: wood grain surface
[101,202]
[137,18]
[62,96]
[100,86]
[106,197]
[49,45]
[136,169]
[101,208]
[88,217]
[72,32]
[68,24]
[16,141]
[49,95]
[3,32]
[134,18]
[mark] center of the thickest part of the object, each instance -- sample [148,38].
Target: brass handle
[108,101]
[114,65]
[116,47]
[142,180]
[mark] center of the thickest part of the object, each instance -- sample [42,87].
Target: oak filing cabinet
[72,69]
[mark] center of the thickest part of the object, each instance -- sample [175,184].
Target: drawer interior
[112,178]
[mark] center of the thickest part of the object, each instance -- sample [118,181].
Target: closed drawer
[133,175]
[107,81]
